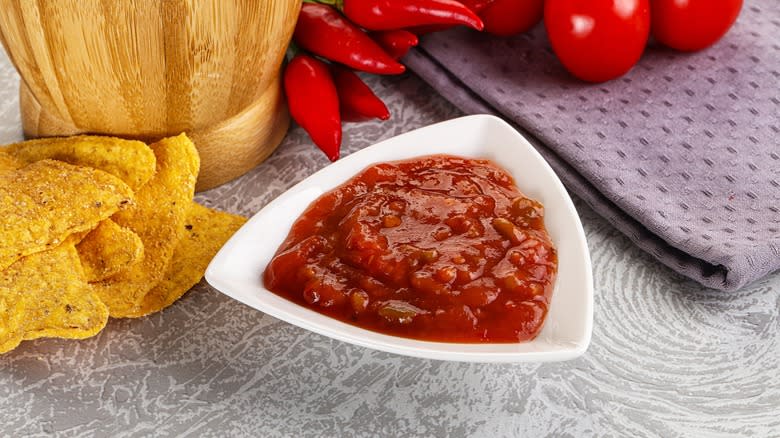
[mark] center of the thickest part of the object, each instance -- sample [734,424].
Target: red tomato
[510,17]
[597,40]
[692,24]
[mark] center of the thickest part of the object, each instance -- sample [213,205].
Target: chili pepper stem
[338,4]
[292,51]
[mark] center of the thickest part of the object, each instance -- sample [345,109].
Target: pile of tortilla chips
[92,227]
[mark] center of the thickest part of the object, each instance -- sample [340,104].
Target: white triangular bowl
[237,269]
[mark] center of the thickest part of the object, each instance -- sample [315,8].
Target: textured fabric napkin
[682,154]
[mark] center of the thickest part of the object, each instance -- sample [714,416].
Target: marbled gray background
[668,358]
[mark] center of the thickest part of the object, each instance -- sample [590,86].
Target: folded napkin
[681,154]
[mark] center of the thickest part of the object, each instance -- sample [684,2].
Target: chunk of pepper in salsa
[438,248]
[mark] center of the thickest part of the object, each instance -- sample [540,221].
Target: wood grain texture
[668,358]
[148,68]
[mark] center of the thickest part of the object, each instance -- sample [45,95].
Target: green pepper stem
[338,4]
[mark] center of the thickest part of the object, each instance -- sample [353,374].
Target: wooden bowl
[149,68]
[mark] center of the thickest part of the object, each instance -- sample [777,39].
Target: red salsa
[438,248]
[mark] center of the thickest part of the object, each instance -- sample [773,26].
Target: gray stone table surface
[668,358]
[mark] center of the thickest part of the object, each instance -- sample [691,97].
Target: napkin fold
[681,154]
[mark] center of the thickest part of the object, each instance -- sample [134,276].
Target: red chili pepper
[356,100]
[396,42]
[476,6]
[314,102]
[323,31]
[397,14]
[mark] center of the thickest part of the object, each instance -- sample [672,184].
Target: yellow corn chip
[109,249]
[43,203]
[8,162]
[11,317]
[49,298]
[71,311]
[129,160]
[157,217]
[205,232]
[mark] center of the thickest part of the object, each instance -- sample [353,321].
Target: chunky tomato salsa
[439,248]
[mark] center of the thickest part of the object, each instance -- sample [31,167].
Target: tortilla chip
[43,203]
[158,219]
[129,160]
[108,250]
[8,162]
[12,308]
[72,310]
[48,297]
[206,231]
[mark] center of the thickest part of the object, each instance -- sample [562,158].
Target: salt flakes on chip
[43,203]
[108,250]
[8,162]
[129,160]
[49,297]
[206,231]
[93,227]
[157,217]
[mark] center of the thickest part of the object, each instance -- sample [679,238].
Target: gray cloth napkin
[681,154]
